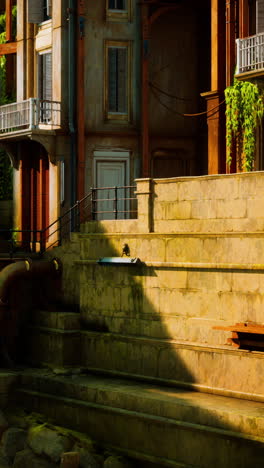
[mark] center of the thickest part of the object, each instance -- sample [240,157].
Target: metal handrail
[40,240]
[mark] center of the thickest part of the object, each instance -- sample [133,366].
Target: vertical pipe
[72,96]
[145,91]
[80,102]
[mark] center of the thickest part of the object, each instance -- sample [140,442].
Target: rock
[3,423]
[27,459]
[70,460]
[88,459]
[4,462]
[116,462]
[13,440]
[44,441]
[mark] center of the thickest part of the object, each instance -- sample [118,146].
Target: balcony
[27,116]
[250,57]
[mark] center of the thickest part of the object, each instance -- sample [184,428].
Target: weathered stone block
[178,210]
[13,440]
[117,462]
[203,209]
[26,458]
[231,209]
[44,441]
[189,190]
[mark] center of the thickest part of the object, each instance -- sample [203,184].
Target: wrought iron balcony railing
[250,53]
[30,114]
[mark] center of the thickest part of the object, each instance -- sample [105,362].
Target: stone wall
[209,203]
[201,246]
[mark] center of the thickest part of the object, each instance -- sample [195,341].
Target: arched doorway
[35,193]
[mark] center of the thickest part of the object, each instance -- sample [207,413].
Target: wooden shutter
[259,16]
[35,12]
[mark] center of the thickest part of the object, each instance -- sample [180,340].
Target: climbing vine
[6,172]
[244,111]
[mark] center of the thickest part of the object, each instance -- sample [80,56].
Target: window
[38,10]
[117,83]
[45,85]
[117,4]
[47,9]
[118,10]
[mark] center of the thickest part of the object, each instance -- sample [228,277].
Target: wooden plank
[8,48]
[243,19]
[257,330]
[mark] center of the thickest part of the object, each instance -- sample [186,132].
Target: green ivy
[244,111]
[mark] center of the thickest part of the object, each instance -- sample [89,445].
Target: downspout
[25,269]
[72,96]
[80,91]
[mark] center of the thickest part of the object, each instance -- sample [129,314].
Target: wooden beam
[243,19]
[216,116]
[8,48]
[230,41]
[9,20]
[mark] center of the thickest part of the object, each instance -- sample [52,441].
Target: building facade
[113,90]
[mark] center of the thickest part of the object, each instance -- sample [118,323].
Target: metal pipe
[25,269]
[72,95]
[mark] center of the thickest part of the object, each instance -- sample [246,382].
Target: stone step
[53,339]
[194,247]
[214,369]
[172,427]
[56,320]
[52,347]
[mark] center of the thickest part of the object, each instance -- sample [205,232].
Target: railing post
[77,227]
[238,55]
[115,203]
[42,243]
[93,203]
[37,111]
[60,230]
[31,113]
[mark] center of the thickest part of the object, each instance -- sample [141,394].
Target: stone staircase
[160,382]
[150,423]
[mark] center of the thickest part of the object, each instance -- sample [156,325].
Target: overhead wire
[209,112]
[154,85]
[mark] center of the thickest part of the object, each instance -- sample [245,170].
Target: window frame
[119,15]
[39,11]
[118,116]
[40,55]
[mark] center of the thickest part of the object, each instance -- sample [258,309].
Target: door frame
[113,155]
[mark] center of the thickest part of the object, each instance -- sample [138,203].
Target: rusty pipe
[25,269]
